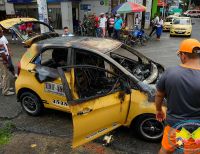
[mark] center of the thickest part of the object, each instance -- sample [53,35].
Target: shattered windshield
[27,30]
[169,19]
[132,61]
[181,21]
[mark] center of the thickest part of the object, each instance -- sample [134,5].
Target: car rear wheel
[148,128]
[31,103]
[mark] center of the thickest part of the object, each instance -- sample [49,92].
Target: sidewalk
[30,143]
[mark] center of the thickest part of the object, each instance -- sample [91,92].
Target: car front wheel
[31,103]
[148,128]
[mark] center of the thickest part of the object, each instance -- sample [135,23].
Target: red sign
[162,2]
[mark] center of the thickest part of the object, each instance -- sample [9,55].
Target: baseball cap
[117,15]
[188,45]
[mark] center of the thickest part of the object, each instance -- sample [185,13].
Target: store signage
[19,1]
[48,1]
[86,7]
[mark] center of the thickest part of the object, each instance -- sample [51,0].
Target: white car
[192,13]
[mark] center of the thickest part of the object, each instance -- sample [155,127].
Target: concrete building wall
[66,9]
[9,8]
[96,7]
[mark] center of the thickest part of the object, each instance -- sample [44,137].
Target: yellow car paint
[8,23]
[183,28]
[168,22]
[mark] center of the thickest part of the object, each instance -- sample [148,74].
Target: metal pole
[43,13]
[163,9]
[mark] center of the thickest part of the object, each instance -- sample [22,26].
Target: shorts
[172,143]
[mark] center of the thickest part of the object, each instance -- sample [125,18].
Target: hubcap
[151,128]
[29,104]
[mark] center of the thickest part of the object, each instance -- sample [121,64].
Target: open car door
[102,103]
[29,30]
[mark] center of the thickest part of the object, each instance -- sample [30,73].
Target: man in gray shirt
[181,86]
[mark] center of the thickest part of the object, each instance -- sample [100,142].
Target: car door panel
[99,113]
[96,117]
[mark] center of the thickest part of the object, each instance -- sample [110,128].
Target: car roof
[183,18]
[86,43]
[172,16]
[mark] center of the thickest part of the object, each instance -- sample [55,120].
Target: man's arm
[160,116]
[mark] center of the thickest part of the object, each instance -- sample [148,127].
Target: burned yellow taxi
[103,83]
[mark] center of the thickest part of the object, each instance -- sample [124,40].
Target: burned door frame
[68,92]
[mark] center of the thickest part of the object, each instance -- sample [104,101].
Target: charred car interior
[141,67]
[92,77]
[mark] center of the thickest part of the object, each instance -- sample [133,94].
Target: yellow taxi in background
[181,26]
[168,22]
[103,83]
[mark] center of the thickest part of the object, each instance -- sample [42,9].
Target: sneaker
[16,39]
[13,39]
[9,93]
[11,89]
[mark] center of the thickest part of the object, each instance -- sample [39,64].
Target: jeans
[14,35]
[117,34]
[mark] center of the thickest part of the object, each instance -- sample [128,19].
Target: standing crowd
[104,25]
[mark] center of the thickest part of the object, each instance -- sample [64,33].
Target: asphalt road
[54,123]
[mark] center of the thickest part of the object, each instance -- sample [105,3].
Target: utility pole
[189,4]
[43,14]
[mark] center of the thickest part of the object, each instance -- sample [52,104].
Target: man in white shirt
[154,24]
[4,71]
[102,24]
[5,41]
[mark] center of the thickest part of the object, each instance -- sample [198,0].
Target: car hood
[181,26]
[30,30]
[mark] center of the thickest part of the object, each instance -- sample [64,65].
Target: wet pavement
[52,131]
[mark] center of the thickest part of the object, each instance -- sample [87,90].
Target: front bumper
[180,32]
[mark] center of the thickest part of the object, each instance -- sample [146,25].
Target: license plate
[54,88]
[179,32]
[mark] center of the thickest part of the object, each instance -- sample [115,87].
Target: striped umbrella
[128,7]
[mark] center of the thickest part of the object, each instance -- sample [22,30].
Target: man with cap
[181,87]
[117,26]
[5,74]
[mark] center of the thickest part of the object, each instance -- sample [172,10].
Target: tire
[31,104]
[171,35]
[148,128]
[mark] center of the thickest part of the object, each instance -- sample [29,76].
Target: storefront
[144,17]
[61,12]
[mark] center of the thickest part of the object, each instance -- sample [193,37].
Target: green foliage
[5,133]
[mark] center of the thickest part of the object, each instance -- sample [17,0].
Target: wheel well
[21,91]
[139,116]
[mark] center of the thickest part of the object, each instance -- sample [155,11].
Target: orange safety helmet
[188,45]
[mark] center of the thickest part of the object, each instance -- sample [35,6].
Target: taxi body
[181,26]
[92,78]
[168,22]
